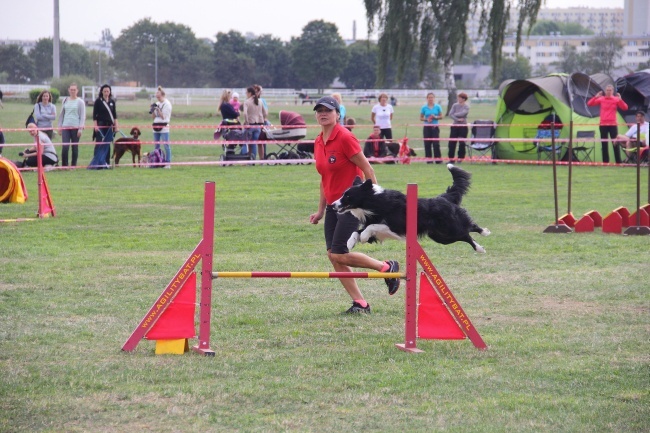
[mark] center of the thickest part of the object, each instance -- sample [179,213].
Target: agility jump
[437,314]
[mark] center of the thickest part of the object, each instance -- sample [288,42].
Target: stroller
[293,129]
[231,130]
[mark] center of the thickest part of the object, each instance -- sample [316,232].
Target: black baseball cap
[328,102]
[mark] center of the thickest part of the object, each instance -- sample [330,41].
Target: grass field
[566,317]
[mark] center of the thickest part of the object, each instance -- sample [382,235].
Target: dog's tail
[460,186]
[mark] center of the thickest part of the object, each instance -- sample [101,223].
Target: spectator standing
[430,114]
[254,116]
[162,115]
[339,99]
[226,109]
[105,124]
[71,124]
[458,130]
[45,112]
[382,114]
[339,161]
[48,152]
[608,124]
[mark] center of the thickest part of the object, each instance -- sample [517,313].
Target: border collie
[382,213]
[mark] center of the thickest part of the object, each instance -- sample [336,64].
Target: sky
[84,20]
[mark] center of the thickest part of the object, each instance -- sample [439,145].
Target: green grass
[565,316]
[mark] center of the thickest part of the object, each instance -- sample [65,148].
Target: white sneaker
[168,166]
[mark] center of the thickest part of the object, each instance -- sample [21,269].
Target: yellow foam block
[172,347]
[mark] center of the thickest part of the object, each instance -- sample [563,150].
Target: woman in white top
[45,112]
[162,115]
[382,114]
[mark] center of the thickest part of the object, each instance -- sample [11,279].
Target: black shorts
[338,229]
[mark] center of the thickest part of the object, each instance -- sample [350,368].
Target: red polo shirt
[333,162]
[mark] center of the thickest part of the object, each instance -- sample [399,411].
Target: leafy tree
[74,59]
[547,27]
[440,26]
[233,65]
[319,54]
[17,66]
[63,83]
[570,60]
[272,61]
[361,71]
[603,54]
[179,51]
[108,73]
[517,69]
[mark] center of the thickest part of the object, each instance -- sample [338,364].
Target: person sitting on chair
[48,155]
[630,138]
[375,147]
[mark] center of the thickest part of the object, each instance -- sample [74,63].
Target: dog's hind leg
[482,231]
[478,248]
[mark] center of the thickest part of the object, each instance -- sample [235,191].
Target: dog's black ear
[368,183]
[357,181]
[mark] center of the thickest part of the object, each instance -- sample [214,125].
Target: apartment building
[542,51]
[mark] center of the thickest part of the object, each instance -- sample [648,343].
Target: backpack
[154,159]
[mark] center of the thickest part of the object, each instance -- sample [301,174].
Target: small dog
[132,144]
[382,213]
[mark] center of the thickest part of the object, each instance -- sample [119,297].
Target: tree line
[313,60]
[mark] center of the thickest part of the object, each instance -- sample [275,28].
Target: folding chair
[630,154]
[583,150]
[483,130]
[545,148]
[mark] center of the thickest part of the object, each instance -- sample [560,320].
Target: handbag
[158,126]
[30,119]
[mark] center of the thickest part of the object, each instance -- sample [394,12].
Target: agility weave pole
[171,320]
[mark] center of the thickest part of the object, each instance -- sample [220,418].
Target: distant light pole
[156,60]
[56,70]
[100,67]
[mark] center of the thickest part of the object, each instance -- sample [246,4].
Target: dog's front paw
[486,232]
[366,235]
[480,249]
[354,239]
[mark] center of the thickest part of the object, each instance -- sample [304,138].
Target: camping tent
[523,104]
[635,91]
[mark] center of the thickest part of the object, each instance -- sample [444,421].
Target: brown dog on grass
[132,144]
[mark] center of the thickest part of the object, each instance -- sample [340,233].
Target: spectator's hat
[328,102]
[235,95]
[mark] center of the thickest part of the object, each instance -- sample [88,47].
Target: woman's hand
[315,217]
